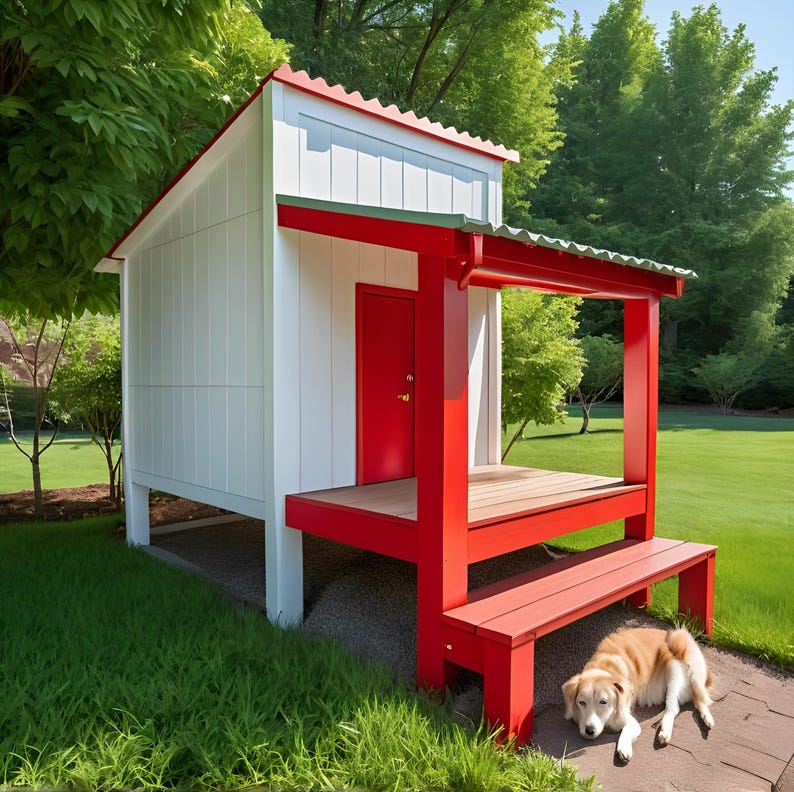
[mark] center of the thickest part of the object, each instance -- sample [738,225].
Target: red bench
[494,633]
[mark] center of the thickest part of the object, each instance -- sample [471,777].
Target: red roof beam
[417,237]
[566,269]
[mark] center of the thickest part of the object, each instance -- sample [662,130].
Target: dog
[642,666]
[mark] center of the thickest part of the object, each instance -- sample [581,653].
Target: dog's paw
[624,753]
[625,750]
[663,737]
[707,718]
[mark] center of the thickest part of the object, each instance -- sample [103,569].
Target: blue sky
[769,24]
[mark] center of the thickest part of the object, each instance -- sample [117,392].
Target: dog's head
[592,700]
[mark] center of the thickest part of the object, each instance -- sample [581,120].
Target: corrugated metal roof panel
[463,223]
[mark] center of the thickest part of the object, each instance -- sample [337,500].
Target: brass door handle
[404,396]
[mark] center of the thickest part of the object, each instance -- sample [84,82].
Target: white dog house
[239,336]
[310,322]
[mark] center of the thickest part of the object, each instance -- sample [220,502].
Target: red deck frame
[441,542]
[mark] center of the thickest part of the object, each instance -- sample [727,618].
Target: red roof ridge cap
[318,86]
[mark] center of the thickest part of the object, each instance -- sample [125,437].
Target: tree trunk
[38,500]
[585,411]
[515,437]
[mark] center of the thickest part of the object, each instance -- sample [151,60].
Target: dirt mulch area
[78,502]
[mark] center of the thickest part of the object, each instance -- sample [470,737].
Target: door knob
[404,396]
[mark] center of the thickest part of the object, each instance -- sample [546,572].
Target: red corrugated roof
[336,93]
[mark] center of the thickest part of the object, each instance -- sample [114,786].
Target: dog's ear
[569,690]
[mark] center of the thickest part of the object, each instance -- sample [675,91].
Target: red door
[385,358]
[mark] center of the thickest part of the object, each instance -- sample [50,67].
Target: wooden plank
[533,504]
[544,605]
[559,575]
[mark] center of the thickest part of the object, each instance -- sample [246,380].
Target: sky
[769,24]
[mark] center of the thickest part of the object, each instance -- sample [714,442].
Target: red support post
[696,592]
[640,405]
[640,414]
[509,688]
[441,454]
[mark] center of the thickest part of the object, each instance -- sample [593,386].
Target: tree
[36,349]
[472,64]
[87,388]
[602,375]
[541,359]
[676,153]
[725,376]
[99,103]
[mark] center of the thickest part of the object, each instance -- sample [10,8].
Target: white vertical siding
[484,377]
[196,317]
[329,152]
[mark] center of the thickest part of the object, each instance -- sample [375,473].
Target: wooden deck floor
[495,492]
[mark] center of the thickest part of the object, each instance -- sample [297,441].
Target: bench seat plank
[557,593]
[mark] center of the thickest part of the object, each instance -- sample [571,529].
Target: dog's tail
[684,648]
[679,642]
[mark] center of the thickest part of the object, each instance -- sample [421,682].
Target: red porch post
[640,413]
[441,453]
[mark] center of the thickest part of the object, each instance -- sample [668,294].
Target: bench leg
[508,692]
[696,592]
[641,598]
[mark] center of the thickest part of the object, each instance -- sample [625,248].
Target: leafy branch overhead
[99,104]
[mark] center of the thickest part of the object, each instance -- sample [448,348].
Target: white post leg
[136,499]
[283,571]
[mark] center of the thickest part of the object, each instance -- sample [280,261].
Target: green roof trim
[462,222]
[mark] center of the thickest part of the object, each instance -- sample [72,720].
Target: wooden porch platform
[509,507]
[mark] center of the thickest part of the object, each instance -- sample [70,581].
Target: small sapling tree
[36,348]
[87,388]
[602,375]
[541,359]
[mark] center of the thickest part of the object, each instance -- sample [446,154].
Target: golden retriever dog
[641,666]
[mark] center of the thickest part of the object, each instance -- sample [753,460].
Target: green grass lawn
[120,672]
[724,480]
[72,461]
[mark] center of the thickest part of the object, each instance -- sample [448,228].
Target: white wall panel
[219,307]
[344,165]
[400,269]
[254,428]
[415,179]
[197,291]
[315,361]
[189,322]
[352,157]
[254,331]
[391,176]
[368,174]
[478,370]
[345,260]
[439,186]
[315,158]
[372,264]
[236,299]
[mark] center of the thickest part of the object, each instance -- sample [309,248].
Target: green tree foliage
[541,359]
[87,387]
[725,375]
[99,103]
[602,375]
[676,152]
[472,64]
